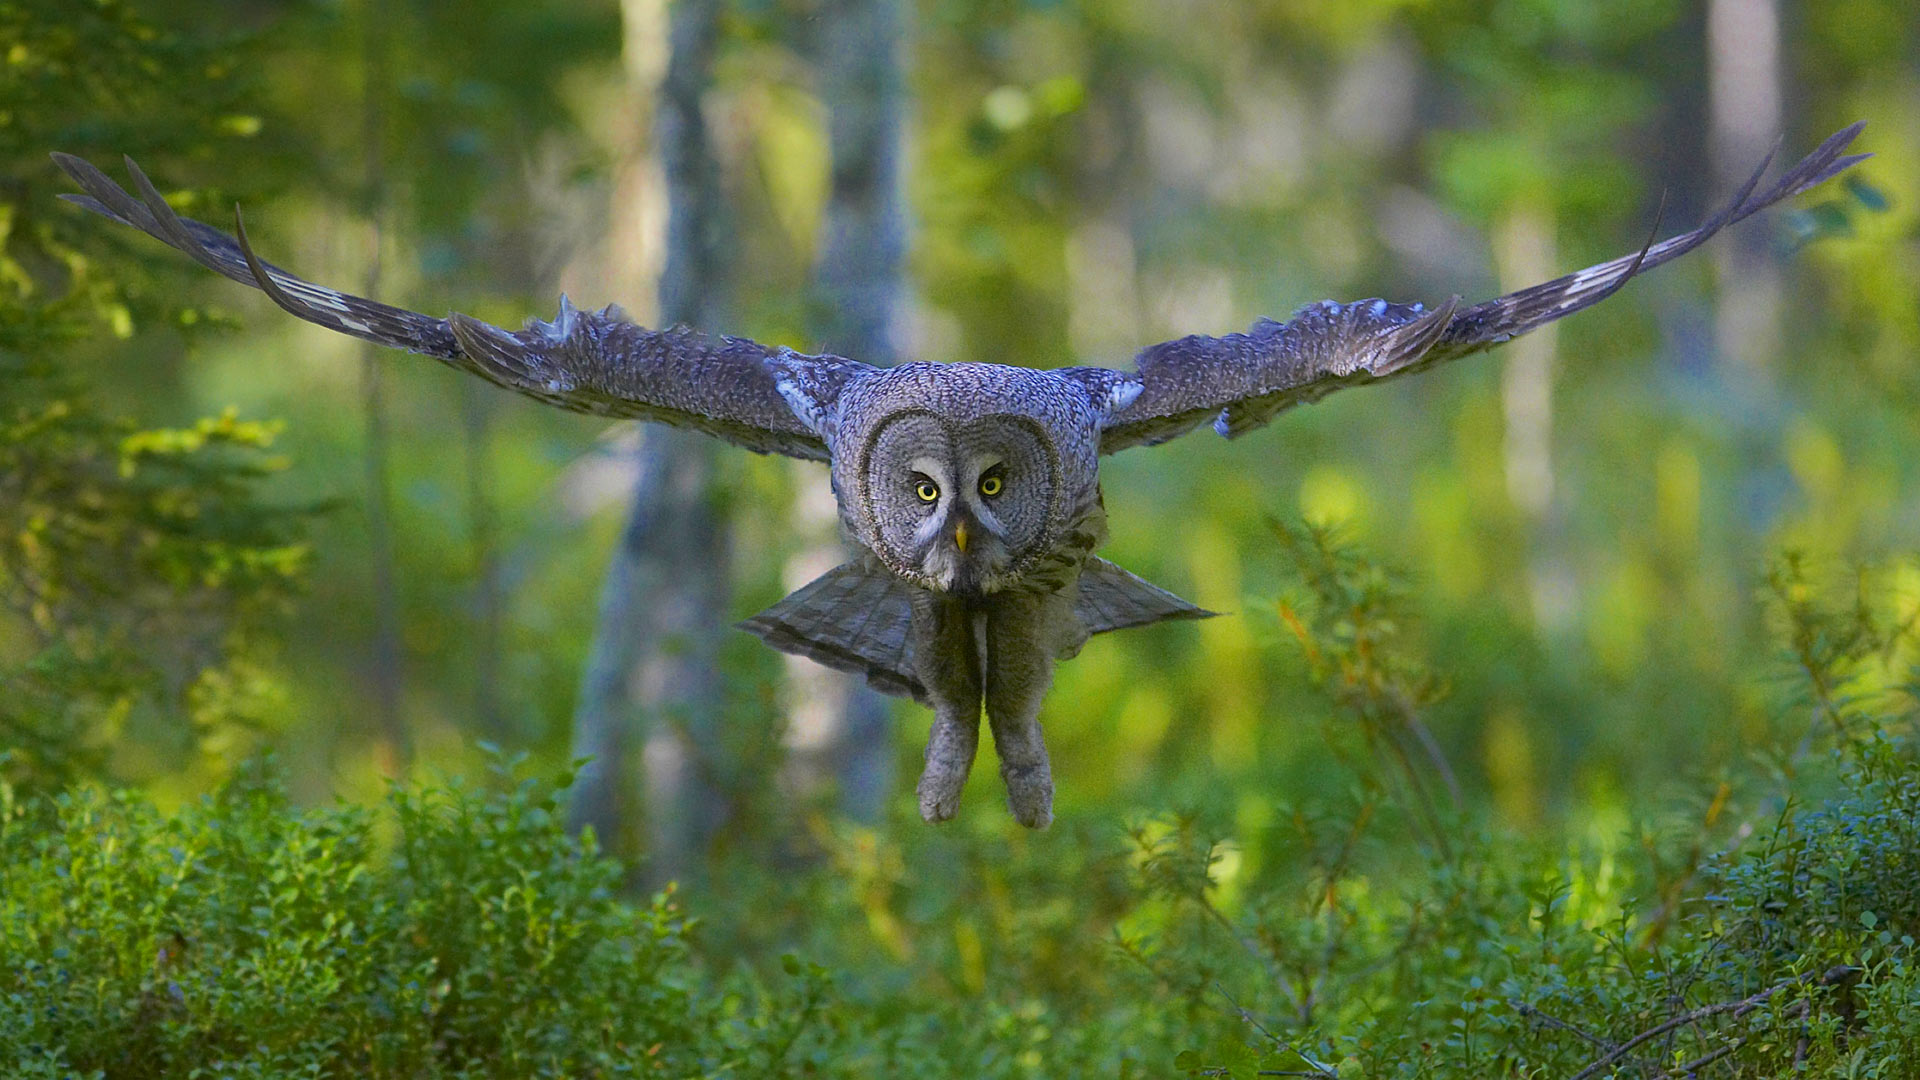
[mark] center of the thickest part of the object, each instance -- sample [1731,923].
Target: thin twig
[1317,1068]
[1266,961]
[1701,1062]
[1410,717]
[1422,800]
[1552,1021]
[1737,1008]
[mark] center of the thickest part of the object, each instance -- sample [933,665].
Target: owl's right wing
[585,361]
[1241,381]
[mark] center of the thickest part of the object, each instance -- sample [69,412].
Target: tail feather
[855,618]
[1113,599]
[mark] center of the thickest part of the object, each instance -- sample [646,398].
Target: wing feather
[1241,381]
[766,399]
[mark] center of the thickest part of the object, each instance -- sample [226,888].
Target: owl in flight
[971,491]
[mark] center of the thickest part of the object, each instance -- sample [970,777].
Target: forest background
[1610,592]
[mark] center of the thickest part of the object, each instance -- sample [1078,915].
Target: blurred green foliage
[141,573]
[142,570]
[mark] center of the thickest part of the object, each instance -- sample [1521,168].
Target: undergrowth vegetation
[1766,929]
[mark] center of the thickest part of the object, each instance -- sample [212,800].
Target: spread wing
[1241,381]
[585,361]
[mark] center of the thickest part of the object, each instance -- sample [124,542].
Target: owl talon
[951,745]
[940,796]
[1030,795]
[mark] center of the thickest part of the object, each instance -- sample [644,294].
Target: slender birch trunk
[1524,253]
[385,659]
[476,422]
[651,676]
[838,727]
[1745,117]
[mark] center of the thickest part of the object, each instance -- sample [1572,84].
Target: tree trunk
[476,415]
[384,663]
[653,667]
[838,727]
[1524,253]
[1743,71]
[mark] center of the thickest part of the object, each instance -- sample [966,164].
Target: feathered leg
[1023,634]
[946,652]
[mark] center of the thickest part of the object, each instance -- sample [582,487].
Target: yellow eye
[990,486]
[927,490]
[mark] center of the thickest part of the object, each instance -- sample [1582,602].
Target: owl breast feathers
[971,491]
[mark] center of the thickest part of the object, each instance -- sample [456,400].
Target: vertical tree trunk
[838,726]
[384,663]
[662,612]
[476,412]
[1524,253]
[1743,72]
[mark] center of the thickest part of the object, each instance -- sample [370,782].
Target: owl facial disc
[956,504]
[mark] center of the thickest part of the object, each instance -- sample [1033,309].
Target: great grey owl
[970,490]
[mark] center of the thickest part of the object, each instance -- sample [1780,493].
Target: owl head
[959,476]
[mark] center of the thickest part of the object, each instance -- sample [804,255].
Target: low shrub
[1768,930]
[457,935]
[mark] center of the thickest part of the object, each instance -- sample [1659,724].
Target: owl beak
[967,535]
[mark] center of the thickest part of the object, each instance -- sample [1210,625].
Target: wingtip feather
[261,276]
[1838,166]
[70,164]
[88,202]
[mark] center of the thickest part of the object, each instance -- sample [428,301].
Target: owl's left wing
[765,399]
[1241,381]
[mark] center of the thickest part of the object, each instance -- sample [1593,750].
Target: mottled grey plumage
[972,490]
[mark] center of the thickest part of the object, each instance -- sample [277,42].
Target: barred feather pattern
[1111,598]
[853,618]
[1060,562]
